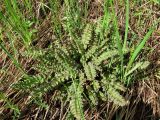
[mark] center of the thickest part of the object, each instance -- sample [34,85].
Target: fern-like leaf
[138,65]
[96,85]
[104,56]
[86,36]
[115,96]
[112,88]
[90,71]
[93,96]
[90,52]
[76,104]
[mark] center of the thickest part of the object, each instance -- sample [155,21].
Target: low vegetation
[76,59]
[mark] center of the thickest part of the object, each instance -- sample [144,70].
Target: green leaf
[104,56]
[76,104]
[96,85]
[93,97]
[86,36]
[136,66]
[115,96]
[139,48]
[90,71]
[126,24]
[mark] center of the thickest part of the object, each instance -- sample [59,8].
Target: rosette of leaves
[85,67]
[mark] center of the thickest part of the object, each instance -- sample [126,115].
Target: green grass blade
[139,48]
[127,24]
[14,17]
[133,69]
[9,55]
[118,41]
